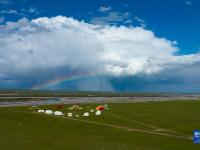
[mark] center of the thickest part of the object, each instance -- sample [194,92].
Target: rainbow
[64,78]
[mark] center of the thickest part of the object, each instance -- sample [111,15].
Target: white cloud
[141,21]
[111,18]
[2,19]
[9,11]
[46,44]
[31,10]
[5,1]
[188,3]
[104,8]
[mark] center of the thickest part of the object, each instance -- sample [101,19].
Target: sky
[101,45]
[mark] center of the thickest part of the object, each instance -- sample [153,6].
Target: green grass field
[126,126]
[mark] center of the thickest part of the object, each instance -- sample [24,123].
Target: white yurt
[40,111]
[69,114]
[86,114]
[92,110]
[48,112]
[98,113]
[58,113]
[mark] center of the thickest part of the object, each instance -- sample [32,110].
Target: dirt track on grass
[131,129]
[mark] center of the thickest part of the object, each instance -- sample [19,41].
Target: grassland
[126,126]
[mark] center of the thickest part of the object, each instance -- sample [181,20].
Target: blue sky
[173,25]
[174,19]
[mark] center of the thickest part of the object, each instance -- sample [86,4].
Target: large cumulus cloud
[44,48]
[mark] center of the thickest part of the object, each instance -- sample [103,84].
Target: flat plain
[160,125]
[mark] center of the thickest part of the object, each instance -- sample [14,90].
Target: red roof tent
[101,108]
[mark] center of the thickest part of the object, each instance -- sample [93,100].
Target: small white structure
[69,114]
[91,110]
[58,113]
[40,111]
[86,114]
[98,113]
[48,112]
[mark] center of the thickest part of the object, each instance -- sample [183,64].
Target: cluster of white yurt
[50,112]
[97,111]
